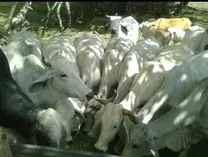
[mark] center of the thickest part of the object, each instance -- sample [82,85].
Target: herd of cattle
[144,92]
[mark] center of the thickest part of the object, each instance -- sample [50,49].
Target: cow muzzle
[101,147]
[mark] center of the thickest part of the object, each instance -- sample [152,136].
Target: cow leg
[184,152]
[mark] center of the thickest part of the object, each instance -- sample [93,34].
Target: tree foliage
[88,15]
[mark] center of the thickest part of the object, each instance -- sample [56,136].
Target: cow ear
[96,107]
[40,82]
[80,115]
[128,125]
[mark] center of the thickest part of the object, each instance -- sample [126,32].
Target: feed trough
[25,150]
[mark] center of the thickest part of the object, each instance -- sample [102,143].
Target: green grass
[86,145]
[36,18]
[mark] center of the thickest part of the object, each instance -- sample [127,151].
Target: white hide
[114,21]
[174,55]
[66,111]
[138,55]
[146,30]
[128,28]
[60,52]
[116,49]
[59,46]
[24,70]
[177,35]
[89,50]
[151,77]
[26,43]
[196,38]
[54,126]
[29,70]
[172,128]
[178,84]
[145,84]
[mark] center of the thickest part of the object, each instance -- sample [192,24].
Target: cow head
[62,83]
[111,120]
[94,132]
[90,113]
[128,28]
[138,140]
[51,128]
[114,22]
[91,109]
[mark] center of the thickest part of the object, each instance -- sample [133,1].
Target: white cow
[115,51]
[26,43]
[145,85]
[114,22]
[134,60]
[178,84]
[177,35]
[63,62]
[66,110]
[196,38]
[89,50]
[24,69]
[56,86]
[176,129]
[59,46]
[145,50]
[52,126]
[128,28]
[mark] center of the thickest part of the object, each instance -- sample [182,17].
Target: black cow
[17,111]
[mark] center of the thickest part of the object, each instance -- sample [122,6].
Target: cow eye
[136,145]
[115,126]
[63,75]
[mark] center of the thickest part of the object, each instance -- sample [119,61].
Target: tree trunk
[184,5]
[50,10]
[8,23]
[181,6]
[59,17]
[165,8]
[18,22]
[68,9]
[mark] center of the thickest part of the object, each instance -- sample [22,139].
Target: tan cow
[165,23]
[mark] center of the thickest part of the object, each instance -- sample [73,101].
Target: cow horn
[46,62]
[103,101]
[43,58]
[130,114]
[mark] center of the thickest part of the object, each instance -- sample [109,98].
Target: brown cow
[165,23]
